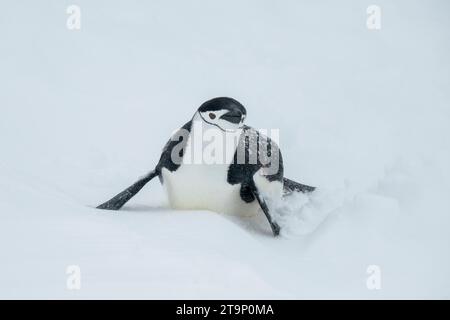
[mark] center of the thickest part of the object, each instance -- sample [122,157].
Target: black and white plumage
[242,179]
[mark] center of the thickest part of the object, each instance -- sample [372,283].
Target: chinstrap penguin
[241,177]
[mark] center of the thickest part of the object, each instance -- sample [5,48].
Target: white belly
[197,185]
[205,187]
[202,185]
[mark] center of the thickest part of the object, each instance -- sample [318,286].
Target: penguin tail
[290,186]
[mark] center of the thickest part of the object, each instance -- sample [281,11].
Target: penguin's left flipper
[262,203]
[120,199]
[290,186]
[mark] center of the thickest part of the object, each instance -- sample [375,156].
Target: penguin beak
[234,116]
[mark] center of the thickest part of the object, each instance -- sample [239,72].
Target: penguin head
[225,113]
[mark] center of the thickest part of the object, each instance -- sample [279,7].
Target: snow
[363,115]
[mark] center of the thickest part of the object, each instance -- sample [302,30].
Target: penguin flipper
[290,186]
[120,199]
[262,203]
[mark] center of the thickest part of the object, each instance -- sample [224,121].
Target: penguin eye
[212,116]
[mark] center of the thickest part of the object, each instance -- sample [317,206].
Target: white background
[363,115]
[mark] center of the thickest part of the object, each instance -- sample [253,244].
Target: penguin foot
[290,186]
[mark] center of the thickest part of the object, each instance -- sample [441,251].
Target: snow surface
[364,116]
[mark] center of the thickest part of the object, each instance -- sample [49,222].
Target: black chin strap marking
[211,123]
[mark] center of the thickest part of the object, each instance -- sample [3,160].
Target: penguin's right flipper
[120,199]
[290,186]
